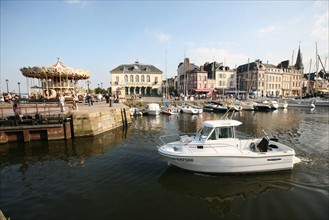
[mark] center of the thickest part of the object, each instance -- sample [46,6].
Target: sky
[98,36]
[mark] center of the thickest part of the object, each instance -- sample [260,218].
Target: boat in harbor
[248,106]
[215,148]
[191,110]
[215,107]
[170,110]
[301,104]
[137,112]
[283,105]
[262,107]
[153,109]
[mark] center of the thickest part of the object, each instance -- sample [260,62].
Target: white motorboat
[248,105]
[283,105]
[135,111]
[273,104]
[216,149]
[171,110]
[191,110]
[153,109]
[235,107]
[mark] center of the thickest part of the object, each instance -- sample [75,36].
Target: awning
[203,90]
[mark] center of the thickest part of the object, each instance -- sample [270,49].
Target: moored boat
[191,110]
[301,104]
[282,105]
[249,106]
[215,107]
[153,109]
[216,149]
[262,107]
[170,110]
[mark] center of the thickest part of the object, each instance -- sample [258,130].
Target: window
[131,78]
[156,80]
[142,78]
[126,78]
[117,79]
[137,78]
[205,131]
[148,79]
[224,132]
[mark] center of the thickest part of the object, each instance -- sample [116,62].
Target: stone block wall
[94,123]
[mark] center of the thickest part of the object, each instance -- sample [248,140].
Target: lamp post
[7,85]
[101,85]
[88,82]
[19,89]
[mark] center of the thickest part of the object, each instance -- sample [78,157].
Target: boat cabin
[217,129]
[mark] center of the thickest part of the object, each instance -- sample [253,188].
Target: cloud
[163,37]
[200,55]
[266,30]
[77,2]
[160,36]
[320,29]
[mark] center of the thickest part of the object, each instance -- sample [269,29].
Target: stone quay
[85,121]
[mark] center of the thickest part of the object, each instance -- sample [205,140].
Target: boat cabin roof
[221,123]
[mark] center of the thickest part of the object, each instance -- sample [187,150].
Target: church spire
[299,62]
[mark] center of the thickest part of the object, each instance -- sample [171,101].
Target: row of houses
[256,78]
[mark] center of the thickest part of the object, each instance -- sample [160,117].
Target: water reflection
[73,151]
[219,192]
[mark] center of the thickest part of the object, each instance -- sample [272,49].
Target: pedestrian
[16,108]
[89,100]
[61,100]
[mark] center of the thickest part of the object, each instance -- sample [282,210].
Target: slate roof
[136,68]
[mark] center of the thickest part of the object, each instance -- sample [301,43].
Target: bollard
[110,103]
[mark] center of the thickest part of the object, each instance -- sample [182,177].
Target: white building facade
[136,79]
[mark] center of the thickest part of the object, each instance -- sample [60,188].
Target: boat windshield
[222,132]
[205,131]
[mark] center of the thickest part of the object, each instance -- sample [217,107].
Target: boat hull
[153,112]
[232,164]
[192,110]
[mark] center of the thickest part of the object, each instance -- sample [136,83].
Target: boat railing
[163,137]
[173,137]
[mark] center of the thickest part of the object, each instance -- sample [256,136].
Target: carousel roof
[56,70]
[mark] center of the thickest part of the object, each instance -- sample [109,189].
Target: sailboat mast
[309,76]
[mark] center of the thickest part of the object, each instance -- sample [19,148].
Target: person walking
[89,100]
[61,100]
[16,108]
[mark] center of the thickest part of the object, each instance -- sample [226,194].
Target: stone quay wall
[91,123]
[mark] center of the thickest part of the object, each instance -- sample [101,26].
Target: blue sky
[100,35]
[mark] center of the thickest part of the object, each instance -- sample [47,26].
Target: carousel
[48,82]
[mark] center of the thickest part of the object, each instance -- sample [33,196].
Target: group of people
[16,103]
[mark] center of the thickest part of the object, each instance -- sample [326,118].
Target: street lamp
[19,89]
[101,85]
[88,82]
[7,85]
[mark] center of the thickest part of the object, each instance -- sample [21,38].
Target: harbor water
[120,175]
